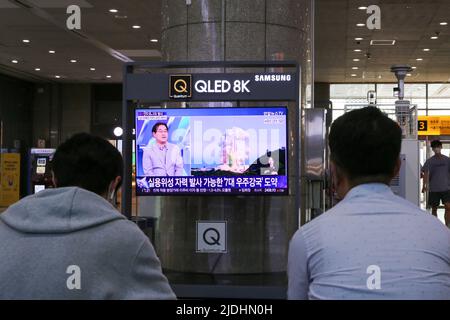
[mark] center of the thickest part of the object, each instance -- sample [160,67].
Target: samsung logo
[273,77]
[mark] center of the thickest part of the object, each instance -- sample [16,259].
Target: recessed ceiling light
[14,61]
[362,8]
[443,23]
[108,76]
[413,67]
[118,131]
[379,76]
[360,24]
[136,27]
[153,40]
[353,75]
[433,37]
[37,69]
[57,77]
[51,51]
[356,60]
[357,50]
[359,39]
[113,10]
[26,41]
[419,59]
[426,49]
[92,69]
[355,68]
[408,74]
[73,61]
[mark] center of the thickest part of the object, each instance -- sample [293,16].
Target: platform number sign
[423,125]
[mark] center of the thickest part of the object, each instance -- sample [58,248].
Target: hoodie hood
[60,210]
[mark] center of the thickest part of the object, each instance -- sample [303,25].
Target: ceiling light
[73,61]
[359,39]
[14,61]
[357,50]
[360,24]
[108,76]
[413,67]
[408,74]
[356,60]
[57,77]
[379,76]
[355,68]
[443,23]
[26,41]
[153,40]
[92,69]
[419,59]
[52,51]
[113,10]
[353,75]
[426,49]
[37,69]
[362,8]
[433,37]
[118,131]
[136,27]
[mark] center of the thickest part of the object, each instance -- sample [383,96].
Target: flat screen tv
[211,151]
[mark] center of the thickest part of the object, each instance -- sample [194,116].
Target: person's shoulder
[148,147]
[313,225]
[124,233]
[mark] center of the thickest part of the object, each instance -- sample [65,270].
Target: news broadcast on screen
[211,151]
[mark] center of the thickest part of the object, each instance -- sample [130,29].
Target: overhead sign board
[433,125]
[212,86]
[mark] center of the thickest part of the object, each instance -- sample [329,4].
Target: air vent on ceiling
[382,42]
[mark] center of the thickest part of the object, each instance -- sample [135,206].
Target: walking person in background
[436,174]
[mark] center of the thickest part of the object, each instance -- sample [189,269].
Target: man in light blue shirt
[162,158]
[372,244]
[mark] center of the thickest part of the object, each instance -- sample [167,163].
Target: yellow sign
[433,125]
[9,178]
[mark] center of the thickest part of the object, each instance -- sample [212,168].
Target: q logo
[180,86]
[211,237]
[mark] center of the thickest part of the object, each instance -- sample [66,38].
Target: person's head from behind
[160,132]
[436,146]
[364,148]
[88,162]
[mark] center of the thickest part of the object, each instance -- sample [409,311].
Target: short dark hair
[155,127]
[88,162]
[365,143]
[436,144]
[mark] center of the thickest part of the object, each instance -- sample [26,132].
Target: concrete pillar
[259,228]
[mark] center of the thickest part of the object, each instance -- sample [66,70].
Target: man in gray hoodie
[70,242]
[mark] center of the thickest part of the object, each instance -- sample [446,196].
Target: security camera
[400,71]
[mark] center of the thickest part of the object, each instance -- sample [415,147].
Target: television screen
[211,151]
